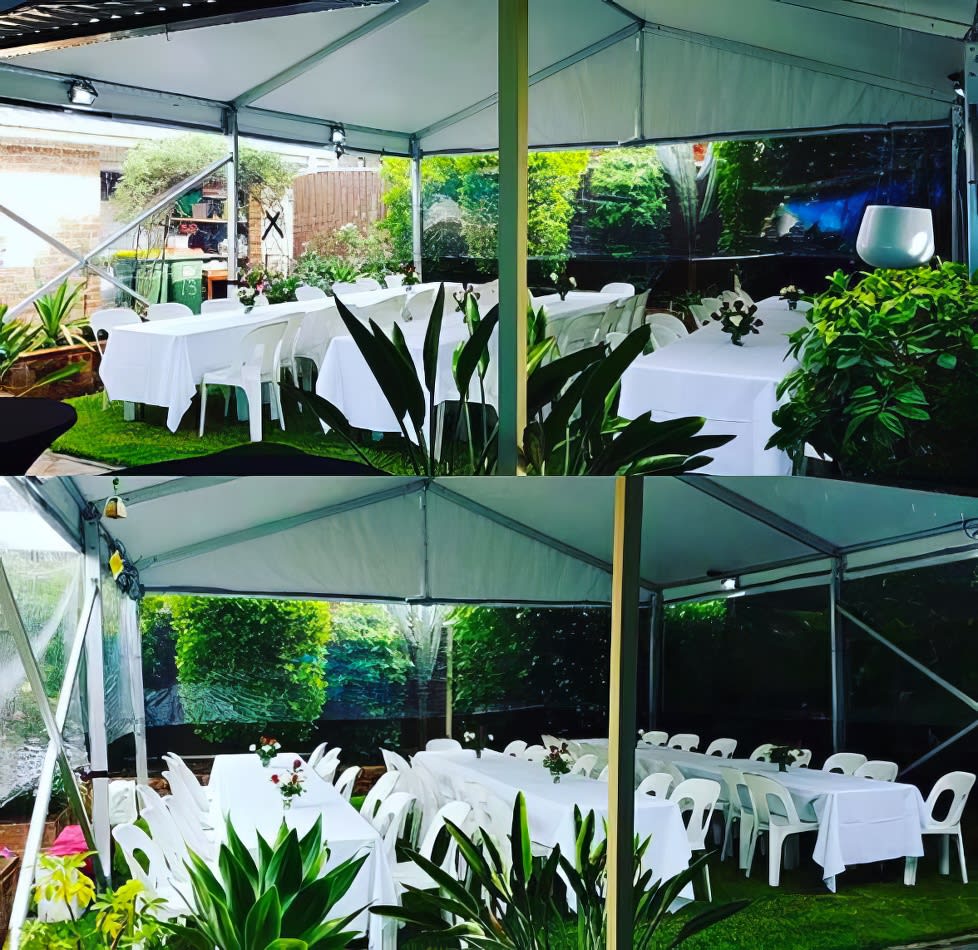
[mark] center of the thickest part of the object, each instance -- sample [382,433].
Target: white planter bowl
[891,236]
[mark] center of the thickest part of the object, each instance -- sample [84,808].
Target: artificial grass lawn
[102,435]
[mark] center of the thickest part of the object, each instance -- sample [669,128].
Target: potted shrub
[888,377]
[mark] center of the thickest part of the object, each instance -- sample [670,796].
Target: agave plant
[53,311]
[18,338]
[519,904]
[282,901]
[572,402]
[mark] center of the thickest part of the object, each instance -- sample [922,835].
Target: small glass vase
[562,294]
[782,767]
[792,304]
[556,779]
[287,803]
[478,753]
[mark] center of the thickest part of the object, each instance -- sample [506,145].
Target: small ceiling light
[957,82]
[729,583]
[337,135]
[114,506]
[82,93]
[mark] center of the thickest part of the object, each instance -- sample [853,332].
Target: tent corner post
[656,650]
[417,223]
[838,658]
[514,85]
[233,176]
[623,711]
[970,84]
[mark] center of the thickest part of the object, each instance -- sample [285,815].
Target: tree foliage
[247,665]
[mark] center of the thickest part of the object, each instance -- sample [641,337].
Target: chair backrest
[584,765]
[667,321]
[712,303]
[724,748]
[148,797]
[655,737]
[308,292]
[959,784]
[702,314]
[764,791]
[687,741]
[342,287]
[380,790]
[164,831]
[316,754]
[326,767]
[345,783]
[549,741]
[641,303]
[664,336]
[290,337]
[617,318]
[515,747]
[603,774]
[418,305]
[134,841]
[261,349]
[455,812]
[657,784]
[619,288]
[844,762]
[177,765]
[580,332]
[804,758]
[219,304]
[395,762]
[391,817]
[391,281]
[367,283]
[700,796]
[534,753]
[187,816]
[443,745]
[168,311]
[736,791]
[103,321]
[878,769]
[763,752]
[122,801]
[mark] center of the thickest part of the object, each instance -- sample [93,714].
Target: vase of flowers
[461,298]
[266,749]
[563,283]
[792,294]
[738,319]
[291,784]
[557,761]
[476,739]
[409,273]
[783,756]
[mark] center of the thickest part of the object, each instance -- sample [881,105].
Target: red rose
[297,764]
[275,779]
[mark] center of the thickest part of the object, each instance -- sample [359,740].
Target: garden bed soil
[8,884]
[36,365]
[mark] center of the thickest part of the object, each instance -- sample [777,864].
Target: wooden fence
[325,201]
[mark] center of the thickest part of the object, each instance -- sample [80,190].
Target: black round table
[27,428]
[255,458]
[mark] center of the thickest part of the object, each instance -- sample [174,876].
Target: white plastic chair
[156,878]
[668,322]
[391,820]
[779,824]
[603,774]
[256,363]
[687,741]
[394,761]
[418,305]
[664,336]
[168,311]
[724,748]
[344,784]
[290,341]
[657,784]
[316,754]
[308,292]
[878,769]
[443,745]
[408,873]
[122,802]
[326,767]
[534,753]
[655,737]
[617,318]
[584,765]
[702,314]
[804,758]
[699,797]
[385,313]
[200,794]
[549,741]
[103,321]
[763,752]
[737,805]
[379,791]
[638,310]
[164,831]
[959,784]
[844,762]
[220,304]
[515,747]
[626,290]
[580,332]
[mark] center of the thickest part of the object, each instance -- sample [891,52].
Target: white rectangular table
[243,791]
[574,304]
[860,820]
[550,806]
[732,387]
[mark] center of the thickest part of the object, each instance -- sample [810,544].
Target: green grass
[102,435]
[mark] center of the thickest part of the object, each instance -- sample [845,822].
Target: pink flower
[297,764]
[275,779]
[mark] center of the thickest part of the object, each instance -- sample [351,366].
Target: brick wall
[56,187]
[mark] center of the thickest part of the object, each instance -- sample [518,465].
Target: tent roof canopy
[494,540]
[602,72]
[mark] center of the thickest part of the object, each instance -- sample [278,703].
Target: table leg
[132,411]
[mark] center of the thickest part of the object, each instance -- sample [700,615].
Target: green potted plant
[21,372]
[783,756]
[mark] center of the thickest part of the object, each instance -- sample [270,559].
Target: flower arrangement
[792,294]
[410,274]
[462,298]
[292,786]
[266,749]
[476,739]
[563,283]
[783,756]
[558,761]
[738,320]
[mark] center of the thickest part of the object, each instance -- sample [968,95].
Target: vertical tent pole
[837,634]
[416,205]
[957,136]
[657,615]
[623,696]
[513,137]
[133,639]
[98,745]
[970,100]
[231,121]
[449,674]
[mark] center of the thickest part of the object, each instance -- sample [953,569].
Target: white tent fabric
[500,540]
[601,72]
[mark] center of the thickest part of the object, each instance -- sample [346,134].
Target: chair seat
[228,376]
[932,828]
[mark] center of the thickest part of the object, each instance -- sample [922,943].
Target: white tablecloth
[243,791]
[860,820]
[732,387]
[550,807]
[346,381]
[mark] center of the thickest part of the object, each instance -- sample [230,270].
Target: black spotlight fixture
[337,136]
[82,93]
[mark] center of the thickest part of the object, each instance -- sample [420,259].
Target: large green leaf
[263,923]
[473,350]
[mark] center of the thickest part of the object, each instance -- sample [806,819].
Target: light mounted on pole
[337,137]
[82,93]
